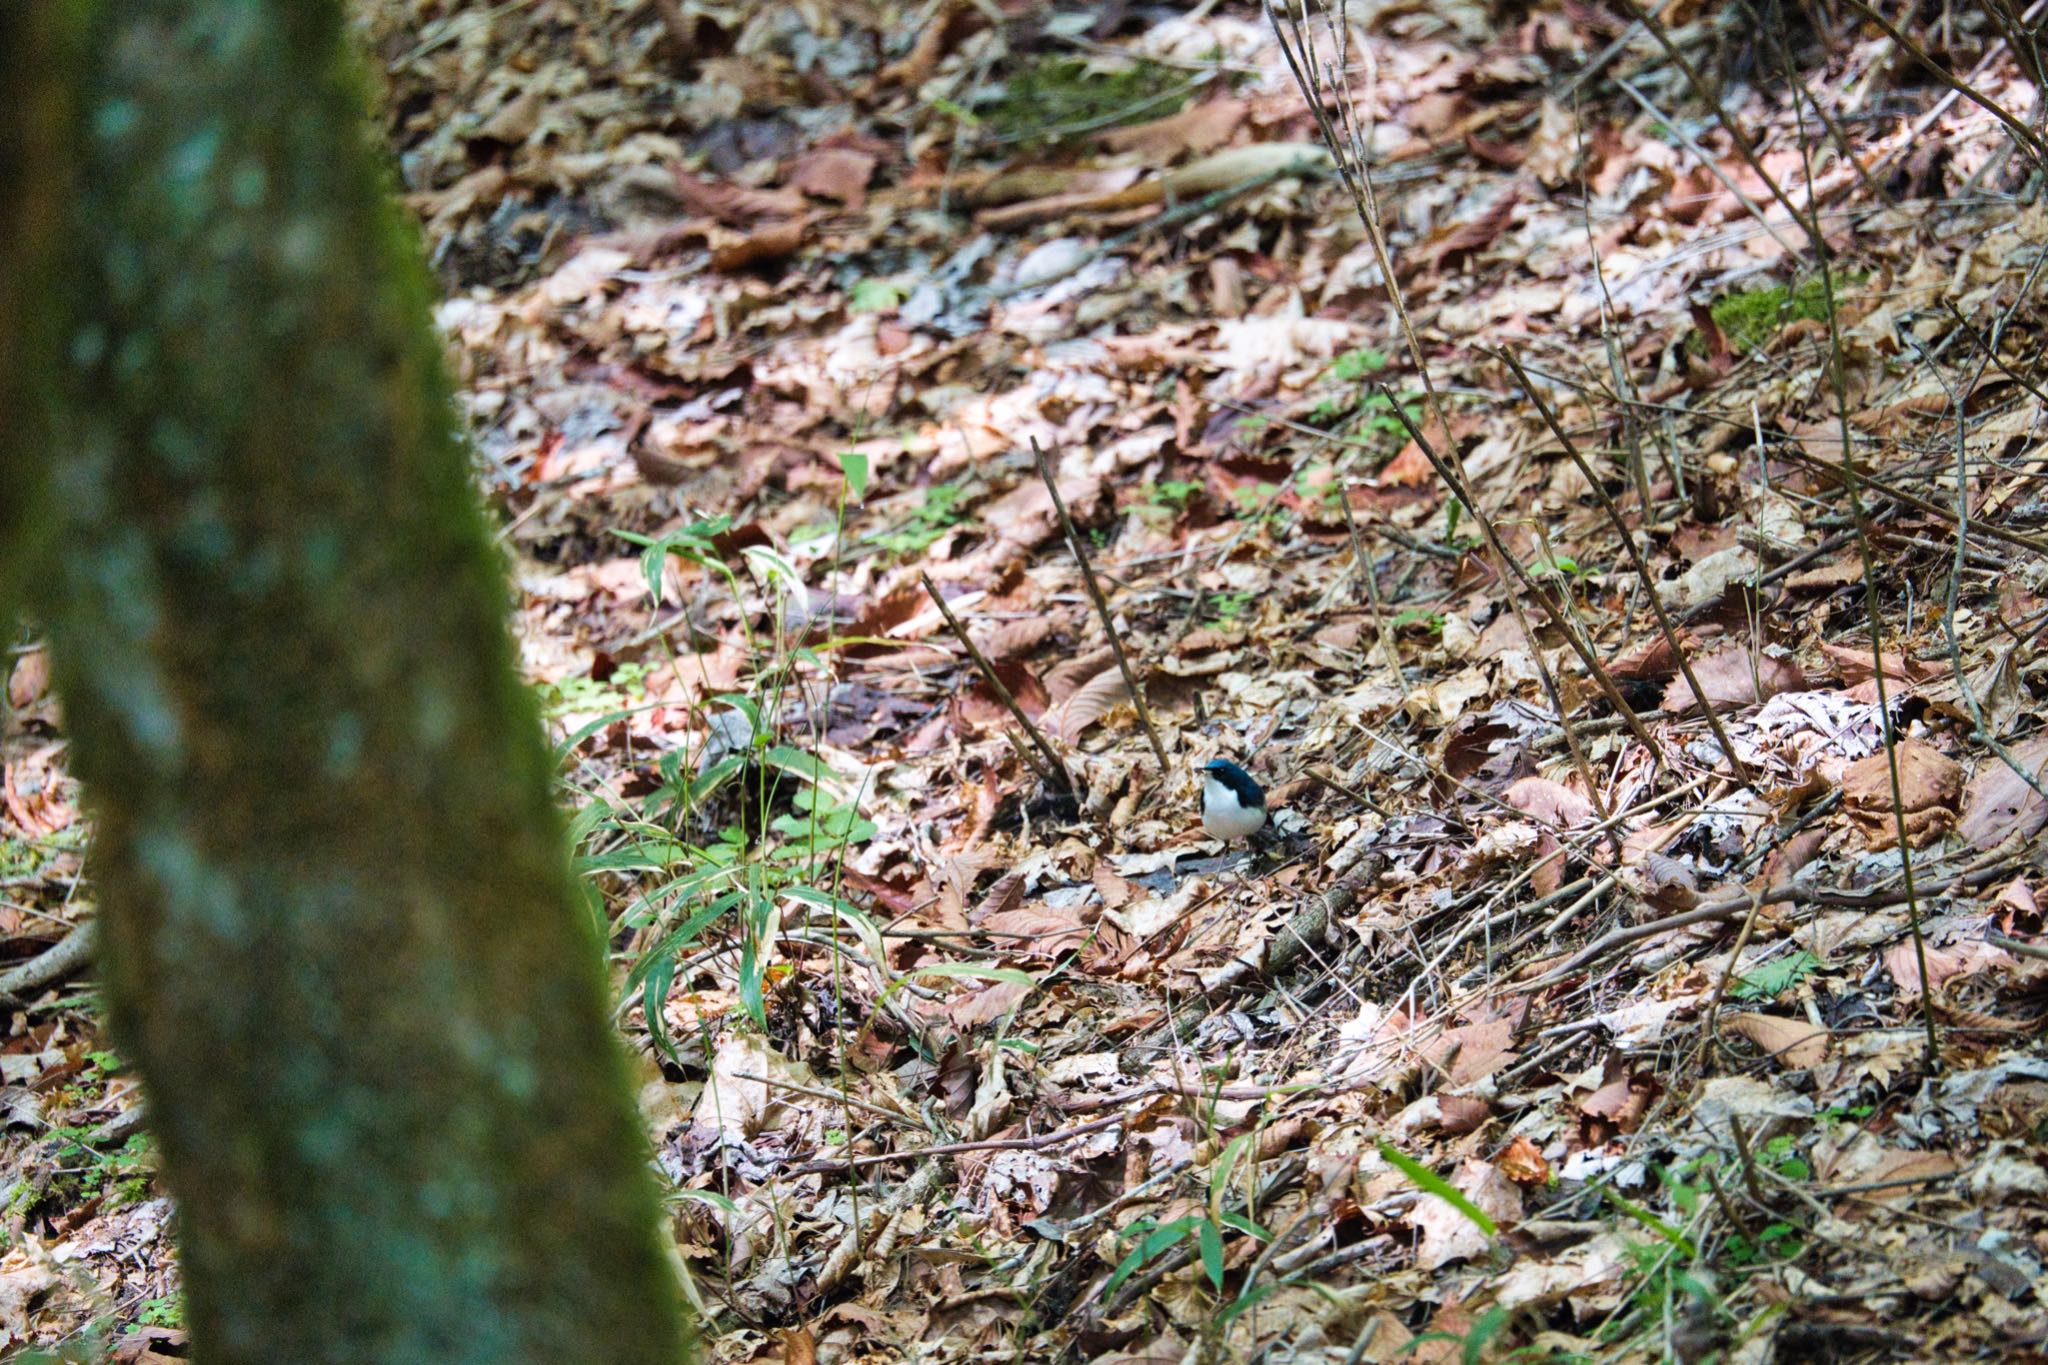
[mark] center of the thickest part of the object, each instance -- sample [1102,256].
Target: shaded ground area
[1562,1015]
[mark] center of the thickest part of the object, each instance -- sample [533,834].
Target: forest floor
[1560,1017]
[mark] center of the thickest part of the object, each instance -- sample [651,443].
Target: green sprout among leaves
[939,512]
[874,296]
[1353,366]
[1225,607]
[1773,978]
[626,687]
[1749,318]
[1173,494]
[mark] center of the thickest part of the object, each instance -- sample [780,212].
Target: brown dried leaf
[1007,639]
[840,173]
[1951,963]
[1114,889]
[1929,784]
[1840,574]
[1733,677]
[1090,702]
[1855,666]
[1792,1043]
[988,1004]
[1650,661]
[1474,1051]
[768,242]
[1523,1162]
[1454,244]
[29,680]
[1462,1113]
[1552,803]
[1998,803]
[1035,931]
[1447,1234]
[1199,129]
[735,204]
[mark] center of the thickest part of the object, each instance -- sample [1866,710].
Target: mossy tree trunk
[341,942]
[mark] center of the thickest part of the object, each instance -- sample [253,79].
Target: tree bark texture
[341,942]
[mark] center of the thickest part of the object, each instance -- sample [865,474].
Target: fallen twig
[1738,904]
[54,963]
[988,672]
[956,1148]
[1635,554]
[1116,642]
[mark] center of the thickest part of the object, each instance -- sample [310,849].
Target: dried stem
[1635,554]
[1551,608]
[1368,573]
[2022,134]
[1116,642]
[1825,258]
[988,671]
[1738,903]
[1711,1023]
[1920,504]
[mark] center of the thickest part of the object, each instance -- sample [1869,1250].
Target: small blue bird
[1233,804]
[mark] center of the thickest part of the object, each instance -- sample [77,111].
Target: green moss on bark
[340,940]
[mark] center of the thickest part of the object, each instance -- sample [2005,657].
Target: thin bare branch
[988,672]
[1116,641]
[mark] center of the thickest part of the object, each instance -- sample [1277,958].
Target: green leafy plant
[1432,622]
[1172,494]
[1353,366]
[1430,1182]
[1472,1345]
[584,695]
[1257,502]
[1156,1239]
[874,296]
[1047,98]
[120,1175]
[748,828]
[30,857]
[1557,566]
[1773,978]
[1225,607]
[1749,318]
[933,517]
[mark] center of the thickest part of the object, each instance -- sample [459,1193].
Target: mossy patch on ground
[1047,98]
[1749,318]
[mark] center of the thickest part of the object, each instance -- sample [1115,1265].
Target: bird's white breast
[1224,817]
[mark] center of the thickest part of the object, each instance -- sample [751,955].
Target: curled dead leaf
[1552,803]
[1792,1043]
[1089,703]
[29,680]
[1999,803]
[1733,677]
[1856,667]
[840,173]
[1930,782]
[1197,129]
[1951,963]
[1523,1162]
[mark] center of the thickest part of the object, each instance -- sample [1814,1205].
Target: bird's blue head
[1241,783]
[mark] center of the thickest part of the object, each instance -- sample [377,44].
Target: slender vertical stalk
[1116,642]
[1642,568]
[988,673]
